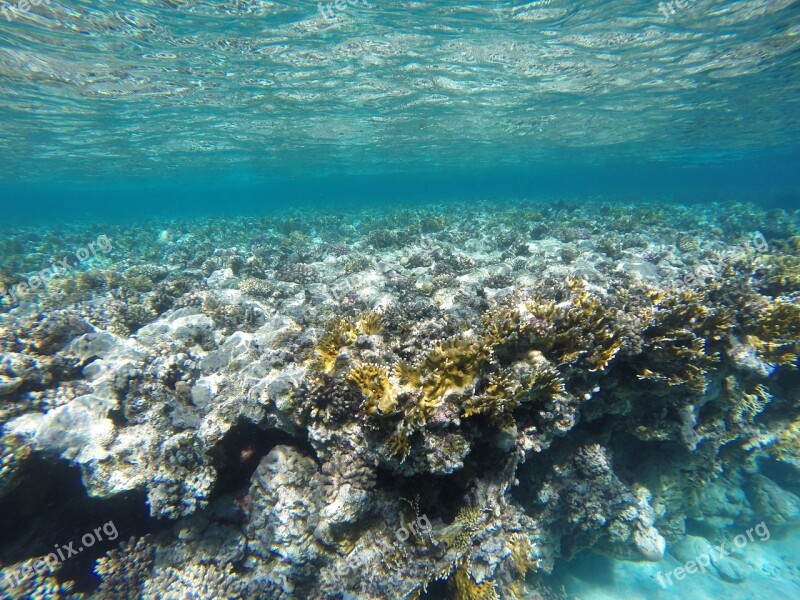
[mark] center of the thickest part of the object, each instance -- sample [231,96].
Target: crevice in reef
[242,448]
[442,496]
[56,512]
[438,496]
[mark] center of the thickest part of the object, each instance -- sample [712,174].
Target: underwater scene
[425,300]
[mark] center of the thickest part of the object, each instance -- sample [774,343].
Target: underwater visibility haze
[366,299]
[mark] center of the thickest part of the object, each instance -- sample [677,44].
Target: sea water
[195,193]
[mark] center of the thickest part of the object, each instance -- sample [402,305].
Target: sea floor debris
[287,392]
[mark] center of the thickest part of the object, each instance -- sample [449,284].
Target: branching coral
[369,323]
[399,444]
[450,367]
[521,383]
[373,382]
[29,580]
[745,406]
[194,581]
[13,453]
[581,331]
[125,570]
[339,333]
[786,447]
[462,586]
[675,352]
[776,333]
[780,273]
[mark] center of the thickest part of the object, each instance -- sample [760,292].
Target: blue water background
[128,109]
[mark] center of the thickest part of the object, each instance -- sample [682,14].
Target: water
[399,299]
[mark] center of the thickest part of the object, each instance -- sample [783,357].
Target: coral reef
[403,403]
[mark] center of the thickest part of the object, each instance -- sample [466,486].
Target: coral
[687,243]
[524,381]
[125,570]
[521,555]
[194,582]
[779,274]
[467,368]
[787,445]
[256,287]
[745,406]
[184,478]
[299,273]
[448,367]
[339,332]
[13,453]
[776,333]
[231,316]
[373,382]
[282,517]
[338,399]
[348,482]
[676,354]
[462,587]
[369,323]
[592,505]
[31,579]
[399,444]
[582,332]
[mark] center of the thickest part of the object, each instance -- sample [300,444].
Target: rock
[690,547]
[770,501]
[717,559]
[9,384]
[731,569]
[222,279]
[79,430]
[650,543]
[284,514]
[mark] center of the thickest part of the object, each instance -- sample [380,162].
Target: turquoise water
[399,299]
[228,96]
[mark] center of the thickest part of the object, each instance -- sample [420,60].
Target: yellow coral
[339,333]
[451,366]
[583,329]
[781,273]
[676,338]
[521,551]
[787,446]
[468,522]
[462,586]
[745,405]
[507,389]
[498,400]
[398,444]
[373,382]
[369,323]
[776,333]
[408,373]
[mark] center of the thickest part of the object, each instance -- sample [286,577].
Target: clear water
[158,97]
[183,117]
